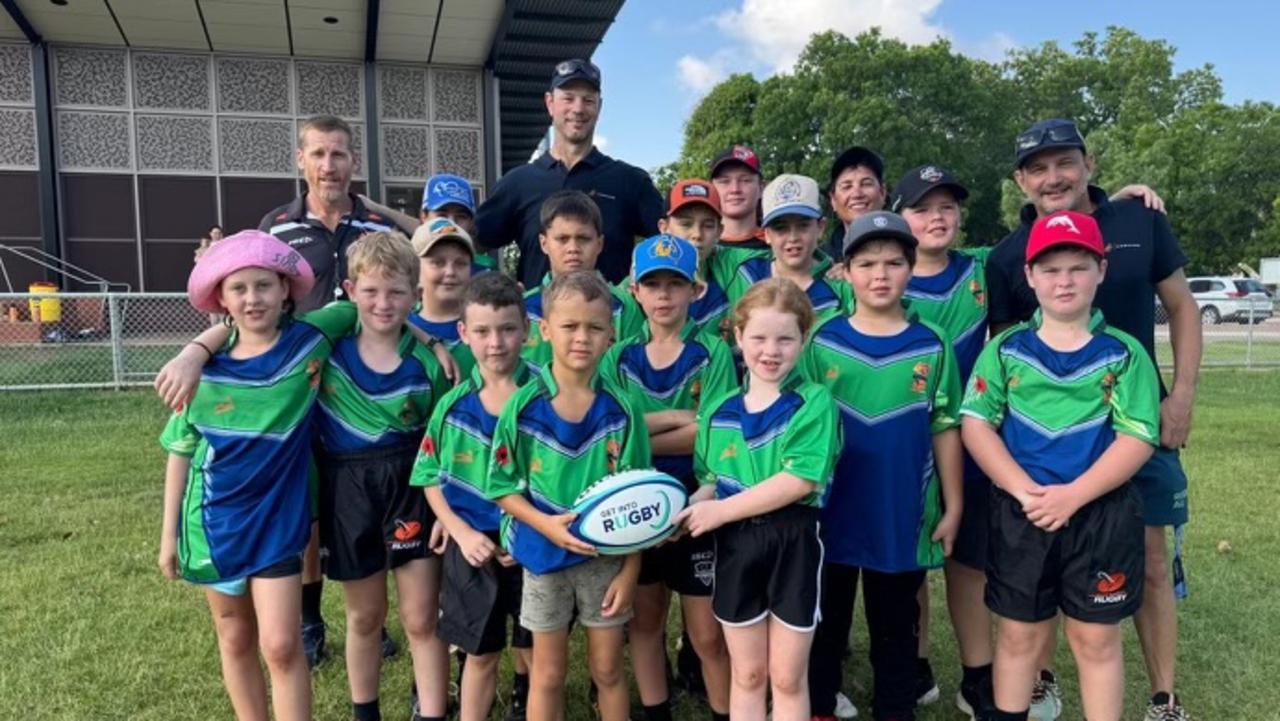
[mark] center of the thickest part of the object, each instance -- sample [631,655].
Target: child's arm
[780,489]
[659,422]
[476,547]
[406,222]
[948,459]
[674,442]
[554,528]
[175,480]
[993,457]
[177,380]
[1053,506]
[622,589]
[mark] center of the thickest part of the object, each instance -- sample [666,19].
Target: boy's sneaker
[844,707]
[389,645]
[926,688]
[974,701]
[313,643]
[1164,707]
[1046,698]
[517,710]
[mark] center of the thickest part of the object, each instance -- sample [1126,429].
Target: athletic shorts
[1091,569]
[371,519]
[970,548]
[769,565]
[476,603]
[1163,486]
[685,565]
[551,601]
[291,566]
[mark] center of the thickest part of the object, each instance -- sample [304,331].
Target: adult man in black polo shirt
[327,217]
[629,203]
[1143,261]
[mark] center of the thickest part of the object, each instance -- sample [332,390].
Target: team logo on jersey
[730,451]
[920,377]
[930,174]
[313,372]
[1063,221]
[1108,386]
[832,373]
[408,413]
[463,457]
[976,289]
[1013,382]
[613,450]
[1110,588]
[695,390]
[428,445]
[226,406]
[502,455]
[535,466]
[789,190]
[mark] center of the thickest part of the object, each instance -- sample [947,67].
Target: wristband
[203,346]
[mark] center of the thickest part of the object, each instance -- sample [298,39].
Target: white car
[1222,298]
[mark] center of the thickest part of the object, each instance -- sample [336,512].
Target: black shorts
[1091,569]
[371,519]
[769,564]
[475,604]
[970,548]
[685,565]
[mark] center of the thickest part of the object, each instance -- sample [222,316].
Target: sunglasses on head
[1056,134]
[574,67]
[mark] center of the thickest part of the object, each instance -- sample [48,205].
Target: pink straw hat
[246,249]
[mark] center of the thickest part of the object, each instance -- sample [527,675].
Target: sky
[661,56]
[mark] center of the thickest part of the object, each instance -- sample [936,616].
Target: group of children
[831,418]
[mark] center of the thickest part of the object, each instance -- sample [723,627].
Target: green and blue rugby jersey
[627,320]
[447,332]
[552,461]
[894,393]
[247,431]
[1056,411]
[799,433]
[362,409]
[455,452]
[829,296]
[956,301]
[704,369]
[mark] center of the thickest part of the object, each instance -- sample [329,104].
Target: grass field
[89,629]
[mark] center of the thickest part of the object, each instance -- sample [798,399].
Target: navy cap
[664,252]
[444,189]
[567,71]
[919,182]
[878,225]
[1045,135]
[852,158]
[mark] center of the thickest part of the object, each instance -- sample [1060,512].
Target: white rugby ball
[628,511]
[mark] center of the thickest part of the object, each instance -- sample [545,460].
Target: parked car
[1221,298]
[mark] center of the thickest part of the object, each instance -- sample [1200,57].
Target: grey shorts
[550,601]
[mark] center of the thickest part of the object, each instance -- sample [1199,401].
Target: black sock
[311,593]
[719,716]
[520,686]
[1047,676]
[973,675]
[998,715]
[1162,698]
[367,711]
[658,712]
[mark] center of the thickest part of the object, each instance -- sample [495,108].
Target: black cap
[567,71]
[1045,135]
[877,225]
[919,182]
[852,158]
[737,154]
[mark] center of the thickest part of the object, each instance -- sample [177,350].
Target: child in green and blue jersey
[572,237]
[1060,412]
[446,253]
[561,432]
[895,380]
[668,370]
[693,213]
[482,582]
[236,509]
[764,457]
[378,389]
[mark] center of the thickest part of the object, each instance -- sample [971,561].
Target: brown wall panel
[116,261]
[98,206]
[167,265]
[174,207]
[246,200]
[21,216]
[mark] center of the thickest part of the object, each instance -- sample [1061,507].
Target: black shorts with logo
[769,565]
[371,519]
[476,603]
[1091,569]
[685,565]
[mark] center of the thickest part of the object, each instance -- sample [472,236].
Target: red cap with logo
[691,191]
[1065,227]
[740,154]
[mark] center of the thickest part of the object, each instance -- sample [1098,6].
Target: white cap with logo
[791,195]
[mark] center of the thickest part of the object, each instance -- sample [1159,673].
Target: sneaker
[313,643]
[516,712]
[926,688]
[845,708]
[1164,707]
[1046,698]
[389,645]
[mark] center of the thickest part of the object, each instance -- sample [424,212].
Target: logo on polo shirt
[1065,221]
[930,174]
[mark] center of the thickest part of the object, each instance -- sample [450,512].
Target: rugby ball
[629,511]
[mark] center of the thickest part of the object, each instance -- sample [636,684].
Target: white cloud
[700,75]
[992,49]
[602,143]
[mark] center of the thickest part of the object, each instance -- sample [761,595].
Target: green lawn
[88,629]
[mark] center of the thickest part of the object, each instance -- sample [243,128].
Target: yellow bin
[46,310]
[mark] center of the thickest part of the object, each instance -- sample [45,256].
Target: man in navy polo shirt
[1143,261]
[629,203]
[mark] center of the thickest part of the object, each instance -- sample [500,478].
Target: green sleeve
[636,452]
[179,437]
[333,320]
[630,320]
[1135,399]
[426,466]
[608,368]
[807,366]
[844,291]
[702,444]
[812,439]
[946,391]
[985,396]
[719,379]
[977,252]
[505,477]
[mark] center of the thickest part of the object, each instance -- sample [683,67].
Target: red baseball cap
[736,154]
[691,191]
[1065,227]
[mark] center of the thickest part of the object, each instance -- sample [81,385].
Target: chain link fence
[114,340]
